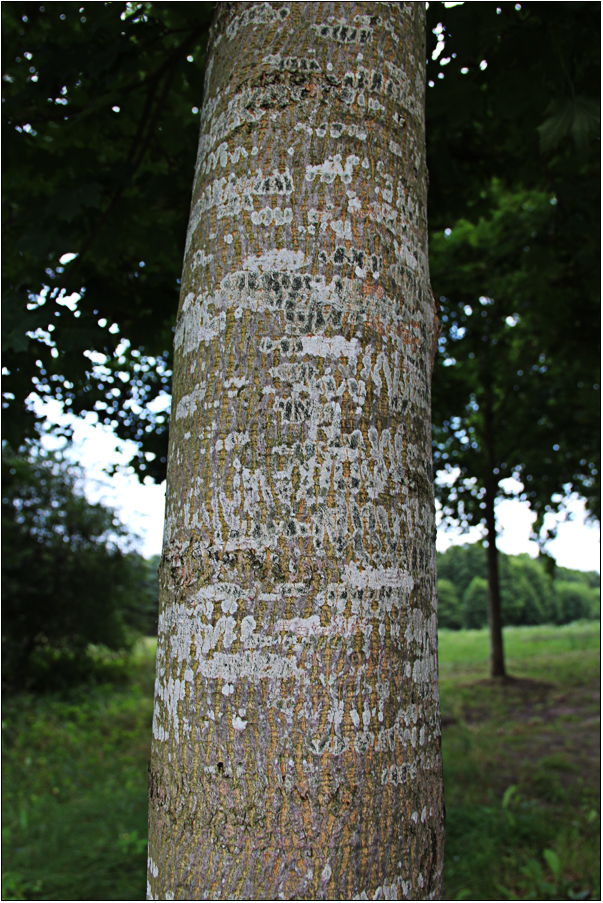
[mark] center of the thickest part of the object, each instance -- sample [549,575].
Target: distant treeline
[533,590]
[68,583]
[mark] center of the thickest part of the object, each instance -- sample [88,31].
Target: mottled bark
[296,750]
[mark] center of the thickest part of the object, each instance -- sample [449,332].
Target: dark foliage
[100,107]
[100,132]
[65,581]
[506,403]
[141,609]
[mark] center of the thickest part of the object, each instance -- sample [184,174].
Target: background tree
[532,120]
[460,564]
[296,729]
[496,108]
[504,402]
[65,581]
[589,578]
[576,601]
[141,607]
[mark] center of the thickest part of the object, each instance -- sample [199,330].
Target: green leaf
[508,796]
[533,870]
[578,117]
[553,863]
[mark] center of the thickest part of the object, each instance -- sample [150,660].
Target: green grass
[75,781]
[521,765]
[521,773]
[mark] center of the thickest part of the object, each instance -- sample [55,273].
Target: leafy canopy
[100,107]
[506,401]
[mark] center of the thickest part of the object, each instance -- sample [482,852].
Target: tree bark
[296,750]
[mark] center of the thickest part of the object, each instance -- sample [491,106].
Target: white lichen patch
[254,284]
[343,33]
[326,872]
[269,216]
[396,889]
[258,14]
[279,259]
[188,404]
[378,577]
[249,664]
[333,168]
[239,110]
[201,259]
[334,346]
[223,157]
[395,774]
[235,439]
[276,62]
[197,324]
[338,626]
[230,196]
[173,694]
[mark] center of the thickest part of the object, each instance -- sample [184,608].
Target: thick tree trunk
[296,749]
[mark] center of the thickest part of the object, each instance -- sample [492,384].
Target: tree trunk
[296,750]
[497,658]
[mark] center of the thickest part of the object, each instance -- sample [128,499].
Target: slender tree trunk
[296,750]
[497,657]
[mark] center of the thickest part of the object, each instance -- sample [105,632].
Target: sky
[141,505]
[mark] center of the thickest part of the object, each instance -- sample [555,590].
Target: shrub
[450,612]
[576,601]
[475,604]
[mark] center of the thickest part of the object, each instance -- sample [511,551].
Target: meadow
[521,774]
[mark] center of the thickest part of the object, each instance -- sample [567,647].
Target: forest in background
[533,590]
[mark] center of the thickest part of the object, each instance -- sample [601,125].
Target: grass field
[521,770]
[522,765]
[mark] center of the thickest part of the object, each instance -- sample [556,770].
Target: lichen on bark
[296,750]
